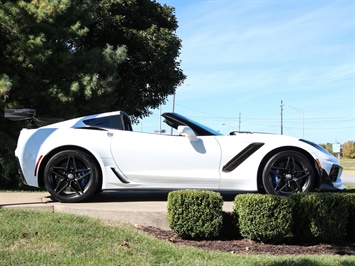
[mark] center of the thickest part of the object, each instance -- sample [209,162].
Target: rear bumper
[19,169]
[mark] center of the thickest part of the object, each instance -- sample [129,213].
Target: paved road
[348,177]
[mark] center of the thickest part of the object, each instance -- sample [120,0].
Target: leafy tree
[349,149]
[67,58]
[150,72]
[7,157]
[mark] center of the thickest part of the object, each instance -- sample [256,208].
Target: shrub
[265,218]
[195,214]
[350,198]
[320,216]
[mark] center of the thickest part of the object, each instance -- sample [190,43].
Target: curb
[38,207]
[152,213]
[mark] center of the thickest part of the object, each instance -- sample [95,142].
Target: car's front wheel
[71,176]
[288,172]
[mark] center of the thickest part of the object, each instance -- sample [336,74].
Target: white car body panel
[135,160]
[188,163]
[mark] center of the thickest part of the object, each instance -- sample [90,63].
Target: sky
[242,58]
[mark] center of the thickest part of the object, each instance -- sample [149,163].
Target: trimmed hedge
[350,198]
[321,216]
[195,214]
[312,217]
[264,218]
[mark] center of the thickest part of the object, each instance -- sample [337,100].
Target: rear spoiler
[28,116]
[19,114]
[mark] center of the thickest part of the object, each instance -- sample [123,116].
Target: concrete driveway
[143,208]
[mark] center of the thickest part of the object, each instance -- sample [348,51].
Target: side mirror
[187,132]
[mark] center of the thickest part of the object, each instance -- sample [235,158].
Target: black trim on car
[318,147]
[334,173]
[242,156]
[119,176]
[93,128]
[326,183]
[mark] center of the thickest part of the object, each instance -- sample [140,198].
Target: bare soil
[246,246]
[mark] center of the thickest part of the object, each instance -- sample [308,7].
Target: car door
[165,161]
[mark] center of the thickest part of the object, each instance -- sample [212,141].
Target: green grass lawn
[45,238]
[347,164]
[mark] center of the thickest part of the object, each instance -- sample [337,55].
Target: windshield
[212,131]
[175,120]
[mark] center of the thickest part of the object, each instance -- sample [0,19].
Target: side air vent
[119,176]
[242,156]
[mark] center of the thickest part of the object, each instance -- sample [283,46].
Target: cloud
[246,56]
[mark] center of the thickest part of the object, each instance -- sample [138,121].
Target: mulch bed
[247,246]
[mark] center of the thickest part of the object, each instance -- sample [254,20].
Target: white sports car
[76,158]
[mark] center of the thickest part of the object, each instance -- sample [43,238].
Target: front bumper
[331,181]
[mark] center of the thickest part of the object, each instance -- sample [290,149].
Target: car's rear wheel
[71,176]
[288,172]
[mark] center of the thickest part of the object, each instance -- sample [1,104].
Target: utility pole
[282,127]
[301,111]
[240,121]
[159,119]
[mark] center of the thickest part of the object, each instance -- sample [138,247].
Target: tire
[71,176]
[288,172]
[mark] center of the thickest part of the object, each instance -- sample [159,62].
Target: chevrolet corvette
[74,159]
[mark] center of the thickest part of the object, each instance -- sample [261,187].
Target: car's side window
[127,123]
[113,122]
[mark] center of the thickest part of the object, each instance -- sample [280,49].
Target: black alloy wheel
[71,176]
[288,172]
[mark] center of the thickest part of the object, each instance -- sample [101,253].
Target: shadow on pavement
[142,196]
[129,196]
